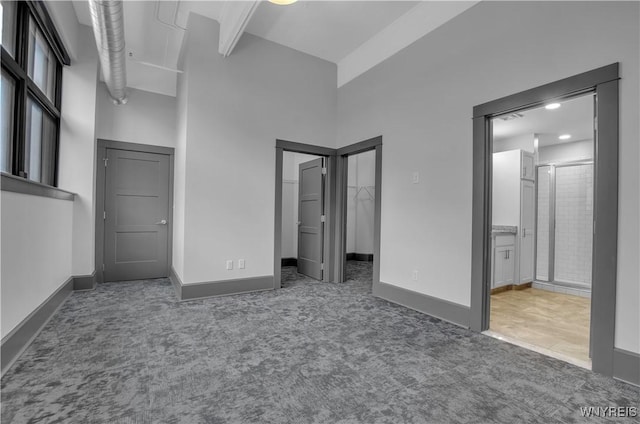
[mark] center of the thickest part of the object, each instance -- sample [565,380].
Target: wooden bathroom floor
[554,321]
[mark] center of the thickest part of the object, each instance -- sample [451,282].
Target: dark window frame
[25,87]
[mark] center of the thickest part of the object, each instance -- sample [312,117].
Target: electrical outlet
[229,265]
[414,275]
[241,264]
[416,177]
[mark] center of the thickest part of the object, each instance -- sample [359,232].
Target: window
[42,62]
[9,27]
[32,59]
[8,94]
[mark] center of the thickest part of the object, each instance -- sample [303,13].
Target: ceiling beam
[233,20]
[423,18]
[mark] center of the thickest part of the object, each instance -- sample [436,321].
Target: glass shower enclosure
[564,224]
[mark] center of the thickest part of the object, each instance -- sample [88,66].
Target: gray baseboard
[84,282]
[364,257]
[17,341]
[626,366]
[289,262]
[176,282]
[439,308]
[219,288]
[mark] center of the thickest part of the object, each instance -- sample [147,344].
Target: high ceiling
[331,30]
[327,29]
[573,117]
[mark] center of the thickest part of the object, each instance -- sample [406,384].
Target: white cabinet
[503,260]
[527,166]
[514,205]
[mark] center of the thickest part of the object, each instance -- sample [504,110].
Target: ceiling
[331,30]
[574,117]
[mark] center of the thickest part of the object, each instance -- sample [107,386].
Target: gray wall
[421,101]
[236,109]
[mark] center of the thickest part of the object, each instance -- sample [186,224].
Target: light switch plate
[416,177]
[241,264]
[229,265]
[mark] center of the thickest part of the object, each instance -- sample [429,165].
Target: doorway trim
[343,154]
[101,154]
[329,201]
[604,83]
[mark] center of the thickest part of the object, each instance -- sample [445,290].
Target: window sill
[24,186]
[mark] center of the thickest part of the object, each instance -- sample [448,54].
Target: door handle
[299,222]
[163,222]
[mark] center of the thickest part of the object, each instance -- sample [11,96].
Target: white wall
[36,244]
[147,118]
[76,171]
[360,202]
[237,107]
[179,169]
[566,152]
[46,241]
[290,187]
[421,101]
[523,142]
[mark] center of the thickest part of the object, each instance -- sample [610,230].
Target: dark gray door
[310,218]
[136,212]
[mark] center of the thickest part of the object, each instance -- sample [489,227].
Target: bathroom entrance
[603,83]
[542,221]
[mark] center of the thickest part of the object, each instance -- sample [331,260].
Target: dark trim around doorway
[343,154]
[604,83]
[330,208]
[101,153]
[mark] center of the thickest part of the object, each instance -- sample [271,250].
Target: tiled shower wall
[574,221]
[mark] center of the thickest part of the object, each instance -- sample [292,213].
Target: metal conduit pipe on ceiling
[107,18]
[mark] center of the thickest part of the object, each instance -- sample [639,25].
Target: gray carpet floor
[309,353]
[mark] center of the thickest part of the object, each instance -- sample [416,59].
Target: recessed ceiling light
[565,137]
[283,2]
[552,106]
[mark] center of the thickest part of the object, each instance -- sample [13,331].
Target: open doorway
[361,190]
[603,83]
[291,158]
[303,217]
[542,228]
[358,218]
[334,219]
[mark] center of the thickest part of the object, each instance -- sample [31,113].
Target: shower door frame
[552,222]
